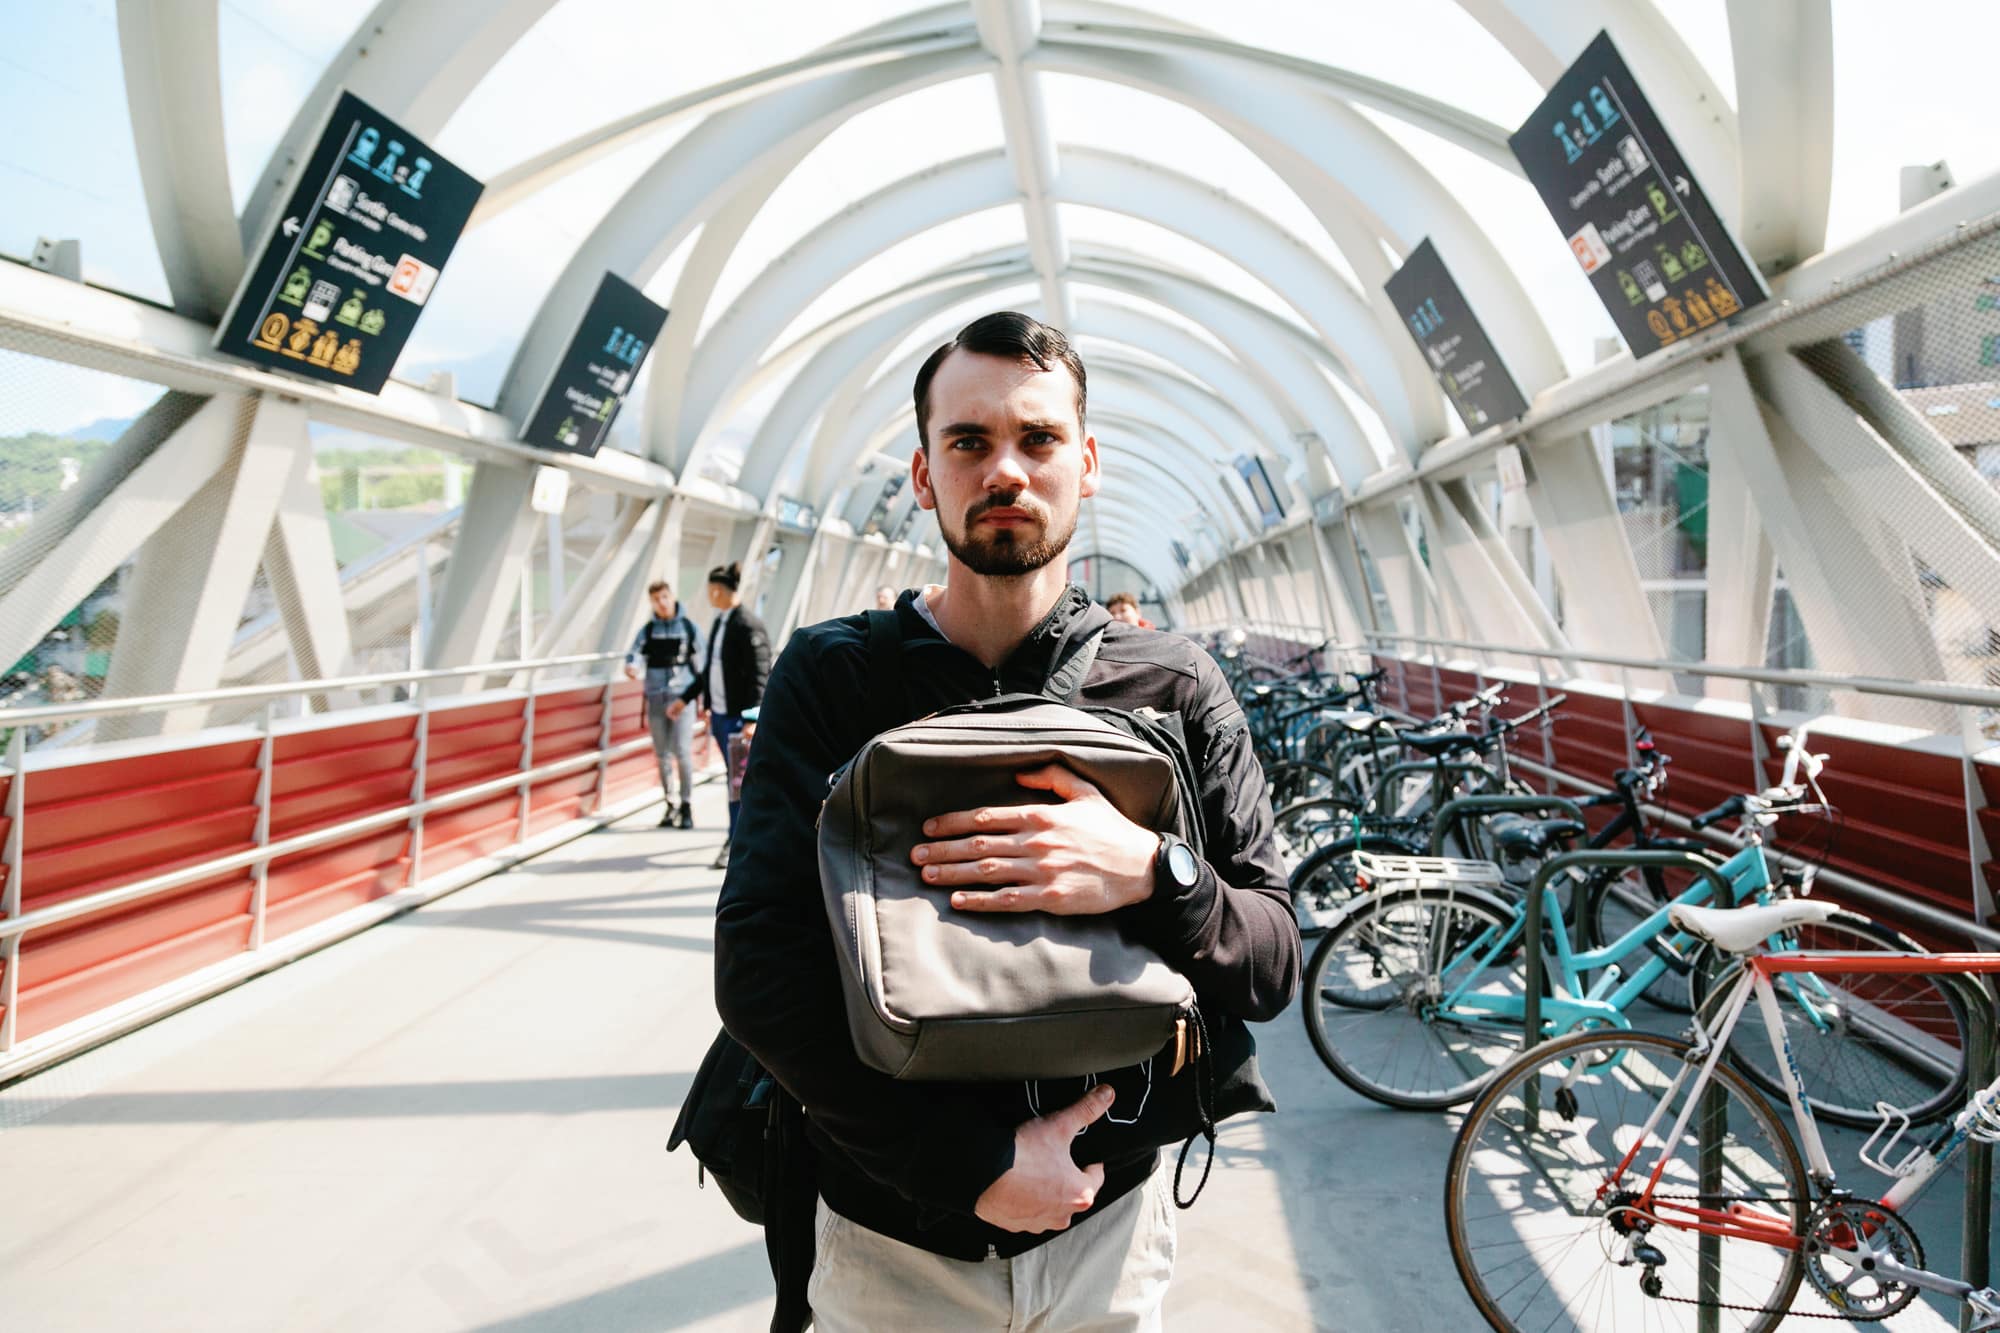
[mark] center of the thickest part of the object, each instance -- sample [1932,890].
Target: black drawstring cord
[1204,1105]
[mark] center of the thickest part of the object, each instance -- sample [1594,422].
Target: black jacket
[906,1159]
[746,663]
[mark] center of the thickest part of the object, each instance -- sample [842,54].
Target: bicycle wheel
[1303,827]
[1857,1040]
[1544,1173]
[1372,991]
[1324,882]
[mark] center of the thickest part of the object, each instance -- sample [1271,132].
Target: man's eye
[1042,437]
[968,442]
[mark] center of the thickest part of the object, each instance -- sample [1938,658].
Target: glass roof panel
[272,53]
[503,268]
[587,62]
[68,169]
[960,239]
[867,153]
[1096,114]
[1456,61]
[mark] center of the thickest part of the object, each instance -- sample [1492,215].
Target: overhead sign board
[1453,341]
[1635,217]
[1270,509]
[595,374]
[337,285]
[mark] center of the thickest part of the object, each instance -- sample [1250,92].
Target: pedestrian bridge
[359,373]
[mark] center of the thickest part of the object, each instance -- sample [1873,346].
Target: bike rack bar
[1377,799]
[1975,1251]
[1454,812]
[1531,925]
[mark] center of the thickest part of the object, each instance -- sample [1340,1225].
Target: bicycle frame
[1572,1004]
[1744,1222]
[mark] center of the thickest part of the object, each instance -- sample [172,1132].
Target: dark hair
[657,585]
[1121,599]
[729,576]
[1007,333]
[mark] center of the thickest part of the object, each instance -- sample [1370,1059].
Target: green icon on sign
[297,286]
[373,321]
[1628,285]
[1661,204]
[350,309]
[1669,265]
[1692,256]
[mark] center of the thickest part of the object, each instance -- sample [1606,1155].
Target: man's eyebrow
[1053,427]
[963,428]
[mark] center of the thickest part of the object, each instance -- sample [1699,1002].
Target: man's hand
[1079,858]
[631,672]
[1045,1188]
[675,709]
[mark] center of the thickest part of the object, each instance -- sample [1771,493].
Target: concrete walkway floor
[456,1122]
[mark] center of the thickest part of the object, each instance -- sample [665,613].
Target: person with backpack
[664,651]
[962,1204]
[731,680]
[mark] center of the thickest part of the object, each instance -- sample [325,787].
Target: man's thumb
[1081,1113]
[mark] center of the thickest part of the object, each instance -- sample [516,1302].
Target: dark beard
[1003,554]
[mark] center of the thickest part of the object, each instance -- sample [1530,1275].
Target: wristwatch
[1175,864]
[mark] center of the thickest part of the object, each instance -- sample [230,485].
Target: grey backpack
[934,993]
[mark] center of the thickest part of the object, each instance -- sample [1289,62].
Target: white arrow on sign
[291,227]
[1681,184]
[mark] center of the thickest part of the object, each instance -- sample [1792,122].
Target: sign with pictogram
[591,382]
[1453,341]
[336,287]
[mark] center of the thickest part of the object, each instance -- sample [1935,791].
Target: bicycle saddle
[1741,929]
[1435,743]
[1357,720]
[1517,838]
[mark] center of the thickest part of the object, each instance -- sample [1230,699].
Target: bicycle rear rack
[1374,869]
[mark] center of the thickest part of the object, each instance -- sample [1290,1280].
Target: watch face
[1181,864]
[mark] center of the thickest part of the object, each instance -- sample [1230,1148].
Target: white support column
[1493,596]
[659,557]
[300,563]
[1406,581]
[1740,576]
[185,597]
[161,460]
[1579,522]
[596,581]
[1860,616]
[1009,29]
[482,580]
[173,93]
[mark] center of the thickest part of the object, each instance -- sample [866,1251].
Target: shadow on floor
[671,1298]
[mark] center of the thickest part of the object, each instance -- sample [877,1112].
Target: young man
[665,650]
[731,681]
[953,1205]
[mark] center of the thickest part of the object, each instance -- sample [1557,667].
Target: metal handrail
[138,890]
[1929,691]
[150,702]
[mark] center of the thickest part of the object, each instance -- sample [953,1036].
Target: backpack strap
[1066,681]
[887,695]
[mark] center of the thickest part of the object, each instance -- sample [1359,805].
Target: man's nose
[1005,471]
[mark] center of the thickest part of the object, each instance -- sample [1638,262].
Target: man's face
[718,595]
[1126,612]
[663,603]
[1008,465]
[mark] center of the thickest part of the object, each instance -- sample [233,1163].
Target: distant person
[885,598]
[1124,606]
[665,651]
[731,680]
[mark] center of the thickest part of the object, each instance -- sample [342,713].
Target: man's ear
[1091,476]
[920,479]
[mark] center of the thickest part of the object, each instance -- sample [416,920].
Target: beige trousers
[1106,1274]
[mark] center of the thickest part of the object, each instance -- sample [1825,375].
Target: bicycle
[1418,993]
[1562,1169]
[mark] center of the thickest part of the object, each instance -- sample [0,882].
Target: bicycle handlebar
[1735,805]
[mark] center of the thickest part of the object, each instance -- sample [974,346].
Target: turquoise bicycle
[1417,994]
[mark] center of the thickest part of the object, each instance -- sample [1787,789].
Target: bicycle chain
[1750,1309]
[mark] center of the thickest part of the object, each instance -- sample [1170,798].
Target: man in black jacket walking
[959,1205]
[731,680]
